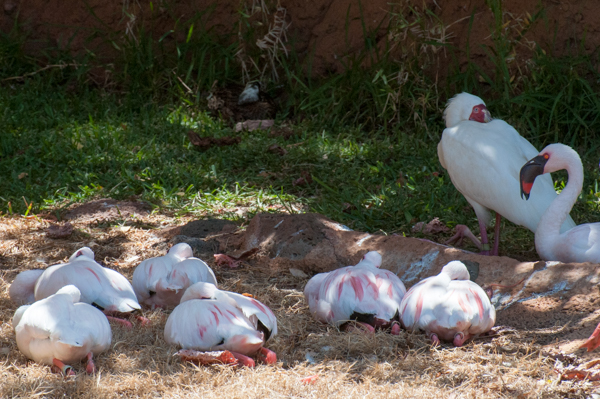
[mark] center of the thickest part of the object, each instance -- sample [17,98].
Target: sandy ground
[516,362]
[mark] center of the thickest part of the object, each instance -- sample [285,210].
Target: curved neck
[559,209]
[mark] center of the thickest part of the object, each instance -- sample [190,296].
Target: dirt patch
[327,31]
[514,363]
[107,209]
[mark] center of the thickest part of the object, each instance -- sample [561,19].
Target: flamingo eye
[476,109]
[546,156]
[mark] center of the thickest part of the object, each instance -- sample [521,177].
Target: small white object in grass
[250,94]
[91,244]
[298,273]
[326,348]
[278,224]
[310,357]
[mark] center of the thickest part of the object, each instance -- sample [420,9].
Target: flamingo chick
[161,281]
[363,293]
[483,162]
[202,323]
[448,306]
[59,329]
[100,286]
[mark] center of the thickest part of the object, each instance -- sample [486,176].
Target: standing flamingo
[363,293]
[448,306]
[483,162]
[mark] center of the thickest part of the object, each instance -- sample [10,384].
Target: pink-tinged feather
[391,291]
[479,303]
[150,271]
[258,305]
[357,286]
[463,305]
[216,317]
[419,306]
[94,273]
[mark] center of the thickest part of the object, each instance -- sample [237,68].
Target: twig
[61,66]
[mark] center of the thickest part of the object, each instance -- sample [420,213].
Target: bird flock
[64,311]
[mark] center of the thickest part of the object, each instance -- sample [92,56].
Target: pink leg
[459,339]
[484,238]
[243,359]
[463,231]
[435,341]
[122,322]
[90,367]
[360,326]
[267,356]
[593,341]
[64,369]
[395,328]
[496,235]
[143,320]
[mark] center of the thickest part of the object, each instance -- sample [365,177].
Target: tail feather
[22,289]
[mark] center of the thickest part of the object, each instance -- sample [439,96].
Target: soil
[552,308]
[329,31]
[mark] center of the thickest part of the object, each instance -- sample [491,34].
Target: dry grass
[141,364]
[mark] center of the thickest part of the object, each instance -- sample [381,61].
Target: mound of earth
[328,31]
[557,303]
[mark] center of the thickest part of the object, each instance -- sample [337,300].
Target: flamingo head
[83,251]
[372,257]
[480,114]
[532,169]
[463,107]
[200,290]
[181,250]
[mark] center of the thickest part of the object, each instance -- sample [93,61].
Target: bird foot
[60,367]
[267,356]
[395,330]
[593,341]
[360,326]
[435,341]
[198,357]
[459,339]
[222,259]
[462,231]
[244,360]
[125,323]
[90,367]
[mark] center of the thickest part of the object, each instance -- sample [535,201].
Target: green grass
[368,137]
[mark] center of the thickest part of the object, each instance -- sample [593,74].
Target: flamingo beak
[529,172]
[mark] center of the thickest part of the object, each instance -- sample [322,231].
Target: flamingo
[483,161]
[161,281]
[203,323]
[59,329]
[448,306]
[363,293]
[99,286]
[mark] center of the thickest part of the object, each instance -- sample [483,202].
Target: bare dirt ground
[554,311]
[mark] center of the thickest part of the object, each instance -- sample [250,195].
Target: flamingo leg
[267,356]
[435,341]
[395,328]
[122,322]
[485,245]
[90,367]
[459,339]
[496,235]
[463,231]
[360,326]
[593,341]
[62,368]
[243,359]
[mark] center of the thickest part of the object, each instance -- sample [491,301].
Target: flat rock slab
[106,209]
[557,303]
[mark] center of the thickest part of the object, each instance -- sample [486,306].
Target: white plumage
[98,285]
[60,327]
[580,243]
[363,292]
[161,281]
[448,306]
[203,323]
[483,161]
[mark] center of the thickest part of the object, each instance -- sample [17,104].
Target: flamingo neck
[547,234]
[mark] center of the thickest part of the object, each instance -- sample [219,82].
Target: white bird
[363,293]
[202,323]
[448,306]
[483,161]
[100,286]
[161,281]
[580,243]
[250,93]
[59,329]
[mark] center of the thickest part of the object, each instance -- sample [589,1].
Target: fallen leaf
[204,143]
[305,179]
[254,125]
[60,231]
[23,175]
[298,273]
[276,149]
